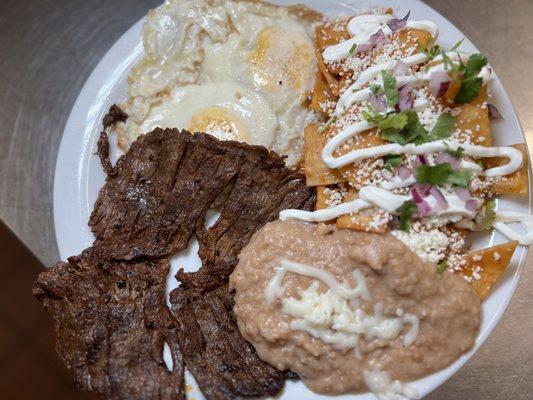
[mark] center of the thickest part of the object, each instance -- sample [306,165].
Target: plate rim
[89,90]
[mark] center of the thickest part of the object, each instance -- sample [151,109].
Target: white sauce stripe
[373,196]
[515,156]
[503,218]
[363,26]
[274,286]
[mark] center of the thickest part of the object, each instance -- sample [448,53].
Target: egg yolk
[219,122]
[282,59]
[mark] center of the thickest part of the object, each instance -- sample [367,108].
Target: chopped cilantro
[457,153]
[393,121]
[441,267]
[434,175]
[374,88]
[457,45]
[432,52]
[471,81]
[327,125]
[392,160]
[411,130]
[406,212]
[460,178]
[443,129]
[490,214]
[389,85]
[405,127]
[442,174]
[352,49]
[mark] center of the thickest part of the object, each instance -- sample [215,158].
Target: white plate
[78,175]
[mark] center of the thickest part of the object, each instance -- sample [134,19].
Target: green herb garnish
[490,214]
[442,174]
[405,127]
[442,129]
[471,84]
[457,45]
[352,49]
[393,121]
[405,132]
[432,52]
[374,88]
[460,178]
[406,212]
[441,267]
[389,86]
[391,161]
[327,125]
[457,153]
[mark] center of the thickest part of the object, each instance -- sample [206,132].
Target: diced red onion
[378,103]
[442,204]
[404,172]
[396,23]
[439,82]
[422,159]
[400,69]
[363,48]
[417,195]
[494,113]
[445,158]
[377,37]
[406,101]
[422,188]
[463,193]
[422,207]
[374,39]
[472,205]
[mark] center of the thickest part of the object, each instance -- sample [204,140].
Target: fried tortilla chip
[473,117]
[372,219]
[485,267]
[316,172]
[323,97]
[516,183]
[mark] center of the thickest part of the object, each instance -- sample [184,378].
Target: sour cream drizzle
[274,288]
[362,27]
[370,196]
[329,317]
[526,220]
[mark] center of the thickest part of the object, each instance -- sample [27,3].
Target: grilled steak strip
[160,191]
[111,323]
[114,115]
[224,364]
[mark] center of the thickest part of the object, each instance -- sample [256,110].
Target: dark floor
[29,365]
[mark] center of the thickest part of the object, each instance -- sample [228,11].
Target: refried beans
[447,309]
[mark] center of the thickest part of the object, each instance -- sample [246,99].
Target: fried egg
[226,110]
[238,70]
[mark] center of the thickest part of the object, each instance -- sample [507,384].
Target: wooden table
[48,49]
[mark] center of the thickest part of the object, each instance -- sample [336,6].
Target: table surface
[48,49]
